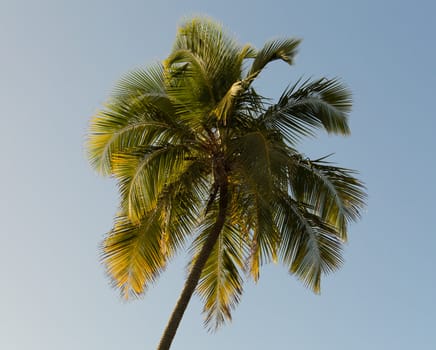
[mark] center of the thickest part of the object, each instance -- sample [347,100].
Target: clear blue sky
[58,62]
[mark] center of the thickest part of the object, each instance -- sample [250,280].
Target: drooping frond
[331,192]
[116,130]
[132,253]
[139,114]
[309,246]
[185,204]
[141,82]
[259,166]
[145,174]
[136,252]
[280,49]
[302,108]
[264,234]
[221,283]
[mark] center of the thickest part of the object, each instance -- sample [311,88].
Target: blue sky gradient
[58,63]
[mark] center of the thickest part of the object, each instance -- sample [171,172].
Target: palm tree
[201,159]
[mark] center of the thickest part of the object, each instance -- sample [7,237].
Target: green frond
[264,240]
[184,203]
[331,192]
[194,73]
[246,110]
[302,108]
[135,253]
[309,246]
[280,49]
[260,165]
[260,156]
[107,140]
[140,82]
[139,114]
[252,157]
[208,39]
[143,175]
[221,284]
[132,254]
[220,55]
[254,217]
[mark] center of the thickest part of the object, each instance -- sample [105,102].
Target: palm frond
[332,192]
[260,165]
[283,49]
[140,82]
[143,175]
[202,70]
[252,152]
[132,254]
[264,238]
[135,253]
[108,138]
[184,202]
[185,62]
[139,113]
[221,284]
[309,246]
[303,107]
[248,51]
[219,52]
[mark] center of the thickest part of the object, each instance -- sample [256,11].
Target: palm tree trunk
[194,275]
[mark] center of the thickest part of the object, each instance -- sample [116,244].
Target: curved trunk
[194,275]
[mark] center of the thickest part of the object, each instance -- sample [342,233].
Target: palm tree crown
[197,152]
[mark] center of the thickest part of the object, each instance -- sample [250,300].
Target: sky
[58,63]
